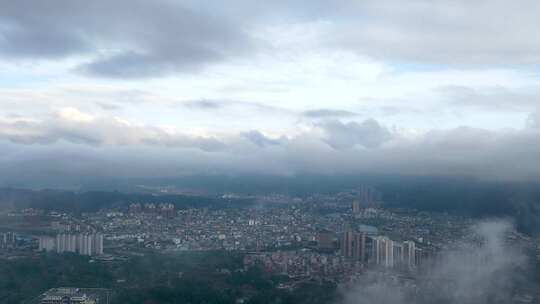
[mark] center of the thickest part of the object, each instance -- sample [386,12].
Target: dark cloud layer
[124,39]
[131,39]
[112,146]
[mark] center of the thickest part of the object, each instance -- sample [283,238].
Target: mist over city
[246,152]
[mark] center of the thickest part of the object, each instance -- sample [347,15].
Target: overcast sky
[162,88]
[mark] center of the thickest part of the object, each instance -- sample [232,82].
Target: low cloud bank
[484,270]
[109,146]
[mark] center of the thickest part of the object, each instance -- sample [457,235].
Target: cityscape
[269,152]
[334,239]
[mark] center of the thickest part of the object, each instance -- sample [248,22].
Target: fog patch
[482,269]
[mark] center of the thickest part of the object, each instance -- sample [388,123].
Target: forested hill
[71,201]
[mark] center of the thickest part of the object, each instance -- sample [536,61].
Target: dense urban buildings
[8,240]
[73,295]
[84,244]
[321,238]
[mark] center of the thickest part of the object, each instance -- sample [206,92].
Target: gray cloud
[128,39]
[202,143]
[234,105]
[533,121]
[20,42]
[328,113]
[261,140]
[204,104]
[369,134]
[95,131]
[447,32]
[108,106]
[125,38]
[492,99]
[136,38]
[425,32]
[328,148]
